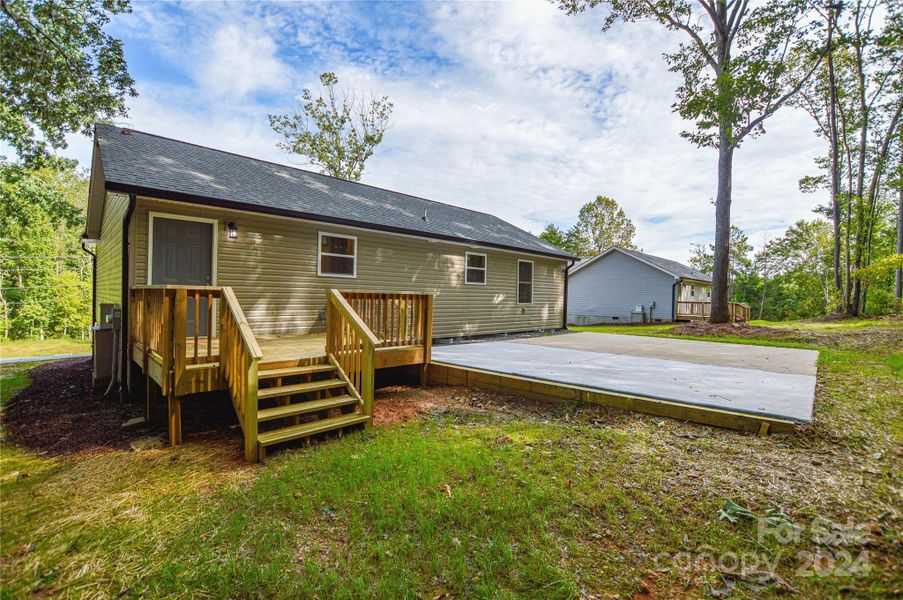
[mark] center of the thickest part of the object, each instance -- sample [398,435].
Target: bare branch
[664,16]
[771,108]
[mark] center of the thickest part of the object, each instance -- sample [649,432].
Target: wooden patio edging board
[540,389]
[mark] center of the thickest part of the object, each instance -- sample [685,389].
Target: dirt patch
[397,404]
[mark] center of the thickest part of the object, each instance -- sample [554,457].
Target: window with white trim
[525,282]
[474,268]
[337,255]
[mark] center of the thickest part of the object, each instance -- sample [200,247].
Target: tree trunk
[853,305]
[835,158]
[762,299]
[720,299]
[898,276]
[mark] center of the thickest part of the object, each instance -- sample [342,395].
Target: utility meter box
[104,344]
[638,315]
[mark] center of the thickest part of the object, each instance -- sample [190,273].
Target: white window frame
[532,281]
[320,254]
[484,268]
[151,215]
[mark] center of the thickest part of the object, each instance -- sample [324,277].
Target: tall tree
[858,107]
[61,72]
[600,224]
[898,272]
[736,74]
[335,131]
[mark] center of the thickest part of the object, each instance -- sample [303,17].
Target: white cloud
[240,60]
[515,109]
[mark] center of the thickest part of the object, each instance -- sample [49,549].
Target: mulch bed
[58,413]
[702,328]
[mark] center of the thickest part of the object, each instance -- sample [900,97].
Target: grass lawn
[46,347]
[481,495]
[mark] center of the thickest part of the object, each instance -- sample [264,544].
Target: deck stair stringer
[301,398]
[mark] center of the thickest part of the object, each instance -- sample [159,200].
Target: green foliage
[702,257]
[600,225]
[488,496]
[45,276]
[61,72]
[857,106]
[553,235]
[337,134]
[736,69]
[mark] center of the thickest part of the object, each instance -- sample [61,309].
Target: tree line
[739,63]
[45,277]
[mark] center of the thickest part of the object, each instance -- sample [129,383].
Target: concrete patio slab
[777,385]
[766,358]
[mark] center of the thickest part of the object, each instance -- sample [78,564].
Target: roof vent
[424,215]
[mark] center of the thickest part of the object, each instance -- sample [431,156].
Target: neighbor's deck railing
[691,309]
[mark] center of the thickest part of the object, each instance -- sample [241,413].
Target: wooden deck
[699,311]
[283,387]
[274,347]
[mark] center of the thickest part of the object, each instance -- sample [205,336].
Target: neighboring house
[621,285]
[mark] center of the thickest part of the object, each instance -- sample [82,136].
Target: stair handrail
[240,355]
[351,345]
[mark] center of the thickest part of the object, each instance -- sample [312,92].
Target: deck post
[152,400]
[368,376]
[175,419]
[249,426]
[427,339]
[179,325]
[166,341]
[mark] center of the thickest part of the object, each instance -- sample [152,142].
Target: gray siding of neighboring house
[610,288]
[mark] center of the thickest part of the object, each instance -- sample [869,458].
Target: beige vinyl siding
[272,267]
[109,251]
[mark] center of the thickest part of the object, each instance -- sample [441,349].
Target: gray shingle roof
[672,267]
[145,163]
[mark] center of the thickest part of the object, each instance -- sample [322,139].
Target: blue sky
[511,108]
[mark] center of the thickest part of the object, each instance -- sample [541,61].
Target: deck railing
[196,338]
[351,346]
[185,354]
[691,309]
[396,318]
[239,358]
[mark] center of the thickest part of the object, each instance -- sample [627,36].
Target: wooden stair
[297,401]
